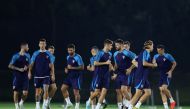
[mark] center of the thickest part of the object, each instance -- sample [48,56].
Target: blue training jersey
[41,61]
[164,62]
[102,57]
[20,61]
[123,59]
[74,61]
[142,71]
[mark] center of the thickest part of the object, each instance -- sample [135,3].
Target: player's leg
[93,102]
[52,90]
[135,98]
[77,98]
[23,98]
[15,92]
[25,86]
[38,97]
[45,96]
[15,97]
[117,85]
[164,98]
[146,94]
[65,93]
[125,94]
[125,90]
[143,98]
[92,97]
[169,95]
[119,98]
[101,98]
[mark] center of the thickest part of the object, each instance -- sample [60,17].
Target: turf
[58,106]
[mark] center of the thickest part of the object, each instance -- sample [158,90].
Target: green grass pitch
[58,106]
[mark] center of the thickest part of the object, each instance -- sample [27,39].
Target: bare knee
[148,93]
[76,93]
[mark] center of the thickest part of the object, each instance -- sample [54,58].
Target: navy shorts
[20,83]
[39,82]
[142,84]
[74,82]
[164,81]
[93,83]
[121,79]
[103,81]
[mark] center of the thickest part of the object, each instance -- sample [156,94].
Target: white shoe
[17,108]
[21,106]
[68,105]
[37,107]
[88,104]
[76,107]
[44,106]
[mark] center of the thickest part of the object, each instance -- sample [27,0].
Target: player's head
[51,49]
[119,44]
[94,50]
[127,45]
[71,49]
[42,44]
[149,45]
[24,46]
[108,44]
[160,49]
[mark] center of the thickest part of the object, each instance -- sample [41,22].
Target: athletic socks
[166,105]
[16,106]
[138,105]
[119,104]
[171,100]
[98,106]
[68,100]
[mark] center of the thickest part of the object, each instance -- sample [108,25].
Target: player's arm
[80,63]
[96,63]
[32,60]
[90,68]
[12,67]
[145,61]
[128,71]
[174,64]
[80,67]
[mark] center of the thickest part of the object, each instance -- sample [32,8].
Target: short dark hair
[108,41]
[161,46]
[23,43]
[120,41]
[71,46]
[147,43]
[51,47]
[127,43]
[42,40]
[94,47]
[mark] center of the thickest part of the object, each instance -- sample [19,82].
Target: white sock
[130,106]
[49,100]
[126,102]
[77,105]
[171,100]
[89,100]
[37,104]
[21,101]
[98,106]
[119,104]
[138,104]
[68,100]
[16,105]
[166,105]
[93,106]
[45,102]
[104,101]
